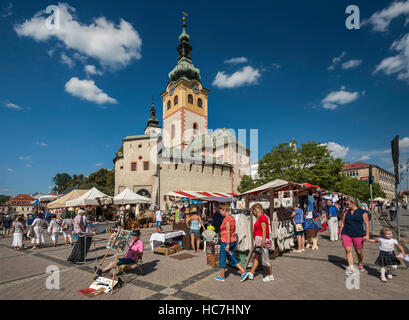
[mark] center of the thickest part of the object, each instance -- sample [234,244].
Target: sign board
[395,157]
[102,282]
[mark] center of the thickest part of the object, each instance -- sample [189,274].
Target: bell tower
[185,101]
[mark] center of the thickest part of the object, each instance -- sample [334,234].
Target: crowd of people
[347,220]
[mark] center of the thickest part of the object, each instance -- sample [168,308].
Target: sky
[69,95]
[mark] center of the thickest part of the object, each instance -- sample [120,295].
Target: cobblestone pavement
[309,275]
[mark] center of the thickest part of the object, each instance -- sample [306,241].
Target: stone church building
[184,154]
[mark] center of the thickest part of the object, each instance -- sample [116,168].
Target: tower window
[146,165]
[199,103]
[195,128]
[175,100]
[190,99]
[133,166]
[173,131]
[169,104]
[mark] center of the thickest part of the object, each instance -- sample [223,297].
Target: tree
[359,188]
[246,184]
[311,163]
[4,198]
[61,181]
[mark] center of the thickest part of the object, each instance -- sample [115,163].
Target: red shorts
[356,242]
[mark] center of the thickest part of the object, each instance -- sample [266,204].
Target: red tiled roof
[355,165]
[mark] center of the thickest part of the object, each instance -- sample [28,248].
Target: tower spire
[152,121]
[184,67]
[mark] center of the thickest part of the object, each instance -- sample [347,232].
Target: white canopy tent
[47,197]
[272,184]
[129,197]
[88,199]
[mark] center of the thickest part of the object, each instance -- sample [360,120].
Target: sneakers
[383,279]
[244,276]
[361,268]
[251,276]
[389,276]
[268,278]
[220,278]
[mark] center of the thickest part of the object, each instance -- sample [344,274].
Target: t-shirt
[134,248]
[299,216]
[387,245]
[158,215]
[332,211]
[30,219]
[223,230]
[354,224]
[7,223]
[258,231]
[55,225]
[18,227]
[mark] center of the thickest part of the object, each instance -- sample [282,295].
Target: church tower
[152,126]
[184,100]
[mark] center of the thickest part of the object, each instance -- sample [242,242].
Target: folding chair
[128,267]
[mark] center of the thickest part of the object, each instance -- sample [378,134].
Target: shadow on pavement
[147,267]
[343,263]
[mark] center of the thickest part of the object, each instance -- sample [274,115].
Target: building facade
[21,204]
[384,178]
[185,154]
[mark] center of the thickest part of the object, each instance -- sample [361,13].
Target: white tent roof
[47,197]
[87,199]
[272,184]
[128,197]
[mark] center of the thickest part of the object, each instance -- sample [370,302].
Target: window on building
[146,165]
[169,104]
[195,128]
[133,166]
[199,103]
[175,100]
[190,99]
[173,131]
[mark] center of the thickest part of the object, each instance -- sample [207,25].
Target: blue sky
[290,71]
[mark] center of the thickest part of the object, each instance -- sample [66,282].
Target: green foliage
[103,180]
[4,198]
[311,163]
[246,184]
[359,188]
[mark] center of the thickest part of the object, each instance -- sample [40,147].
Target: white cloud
[28,165]
[67,60]
[4,190]
[380,20]
[336,60]
[10,170]
[87,90]
[26,158]
[337,151]
[341,97]
[91,70]
[7,11]
[353,63]
[236,60]
[112,45]
[364,158]
[12,106]
[41,144]
[404,144]
[398,64]
[245,76]
[276,65]
[99,164]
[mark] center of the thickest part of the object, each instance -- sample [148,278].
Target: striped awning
[200,195]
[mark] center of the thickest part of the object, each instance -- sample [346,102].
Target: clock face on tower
[195,88]
[171,89]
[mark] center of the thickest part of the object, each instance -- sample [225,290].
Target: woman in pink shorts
[354,234]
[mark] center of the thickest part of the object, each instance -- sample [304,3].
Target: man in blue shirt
[332,220]
[30,218]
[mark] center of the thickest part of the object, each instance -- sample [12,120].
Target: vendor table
[162,237]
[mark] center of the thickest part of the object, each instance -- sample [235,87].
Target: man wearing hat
[133,254]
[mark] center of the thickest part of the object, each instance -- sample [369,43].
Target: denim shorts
[122,261]
[195,232]
[158,223]
[299,233]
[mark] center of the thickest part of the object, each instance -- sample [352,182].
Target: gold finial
[184,16]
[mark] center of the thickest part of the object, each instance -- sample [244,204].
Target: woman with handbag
[55,227]
[67,229]
[262,242]
[298,216]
